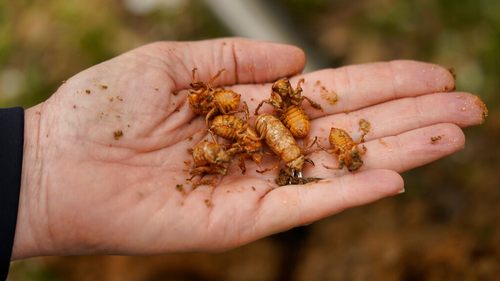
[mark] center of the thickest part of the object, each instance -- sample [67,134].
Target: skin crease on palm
[85,192]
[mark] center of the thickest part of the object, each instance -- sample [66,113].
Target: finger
[350,88]
[245,61]
[398,153]
[402,115]
[291,206]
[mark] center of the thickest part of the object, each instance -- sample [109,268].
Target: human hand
[88,190]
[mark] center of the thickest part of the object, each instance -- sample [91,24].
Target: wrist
[30,221]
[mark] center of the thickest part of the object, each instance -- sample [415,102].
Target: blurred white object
[143,7]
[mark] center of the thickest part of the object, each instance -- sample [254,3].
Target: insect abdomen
[280,140]
[228,99]
[339,138]
[296,120]
[227,126]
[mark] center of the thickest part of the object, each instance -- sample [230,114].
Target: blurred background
[445,227]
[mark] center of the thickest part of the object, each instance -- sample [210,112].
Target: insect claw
[310,161]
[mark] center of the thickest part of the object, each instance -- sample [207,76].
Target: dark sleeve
[11,160]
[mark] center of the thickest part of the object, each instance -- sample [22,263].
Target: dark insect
[282,143]
[210,158]
[347,150]
[205,100]
[246,141]
[287,104]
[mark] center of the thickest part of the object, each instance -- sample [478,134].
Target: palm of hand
[117,194]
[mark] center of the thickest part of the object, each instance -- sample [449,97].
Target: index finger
[245,61]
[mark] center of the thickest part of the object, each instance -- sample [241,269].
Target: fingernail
[401,191]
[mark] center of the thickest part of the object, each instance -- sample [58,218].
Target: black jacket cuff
[11,162]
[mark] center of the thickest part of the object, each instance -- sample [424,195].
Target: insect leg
[298,89]
[335,150]
[241,164]
[276,165]
[258,107]
[331,168]
[309,161]
[309,148]
[216,75]
[313,104]
[192,76]
[210,113]
[213,135]
[198,171]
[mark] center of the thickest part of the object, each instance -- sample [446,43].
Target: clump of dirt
[329,96]
[205,182]
[435,139]
[180,188]
[481,104]
[118,134]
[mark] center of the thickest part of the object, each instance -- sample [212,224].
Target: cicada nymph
[205,100]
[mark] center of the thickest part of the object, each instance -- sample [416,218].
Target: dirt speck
[381,141]
[104,87]
[87,91]
[118,134]
[208,203]
[435,139]
[180,188]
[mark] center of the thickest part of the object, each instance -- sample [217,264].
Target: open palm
[106,161]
